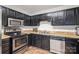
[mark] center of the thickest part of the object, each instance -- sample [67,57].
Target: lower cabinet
[55,44]
[40,41]
[5,46]
[29,40]
[71,46]
[46,42]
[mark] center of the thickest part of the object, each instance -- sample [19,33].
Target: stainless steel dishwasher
[57,45]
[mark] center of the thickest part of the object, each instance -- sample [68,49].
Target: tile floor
[35,50]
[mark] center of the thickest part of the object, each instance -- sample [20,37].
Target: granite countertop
[5,36]
[56,33]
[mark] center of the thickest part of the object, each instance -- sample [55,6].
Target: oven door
[19,42]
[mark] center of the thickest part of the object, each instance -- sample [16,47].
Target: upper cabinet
[65,17]
[54,18]
[4,16]
[43,17]
[70,18]
[77,12]
[19,15]
[26,20]
[9,13]
[60,18]
[34,21]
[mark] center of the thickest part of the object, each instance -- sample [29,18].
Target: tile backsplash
[65,28]
[54,28]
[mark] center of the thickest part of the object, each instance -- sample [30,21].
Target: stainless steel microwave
[15,22]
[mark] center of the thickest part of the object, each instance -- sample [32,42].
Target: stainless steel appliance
[57,45]
[19,43]
[15,22]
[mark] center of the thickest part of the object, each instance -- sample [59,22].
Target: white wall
[67,28]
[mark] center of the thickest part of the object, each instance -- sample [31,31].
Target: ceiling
[38,9]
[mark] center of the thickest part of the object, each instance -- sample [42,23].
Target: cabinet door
[26,20]
[60,18]
[19,15]
[22,16]
[5,46]
[70,17]
[34,21]
[43,17]
[71,46]
[10,13]
[54,18]
[77,13]
[4,17]
[33,39]
[38,41]
[46,42]
[30,40]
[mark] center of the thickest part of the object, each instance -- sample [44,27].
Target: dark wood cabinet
[71,46]
[34,21]
[43,17]
[60,18]
[45,42]
[4,16]
[33,37]
[19,15]
[54,18]
[70,18]
[10,13]
[40,41]
[77,16]
[29,39]
[5,46]
[65,17]
[26,20]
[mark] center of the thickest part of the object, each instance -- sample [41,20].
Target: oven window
[20,41]
[17,43]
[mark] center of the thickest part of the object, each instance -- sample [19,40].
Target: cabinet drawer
[5,41]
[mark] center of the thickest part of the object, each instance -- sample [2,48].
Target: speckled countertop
[5,36]
[56,33]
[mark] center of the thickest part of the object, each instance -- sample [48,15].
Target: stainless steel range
[19,43]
